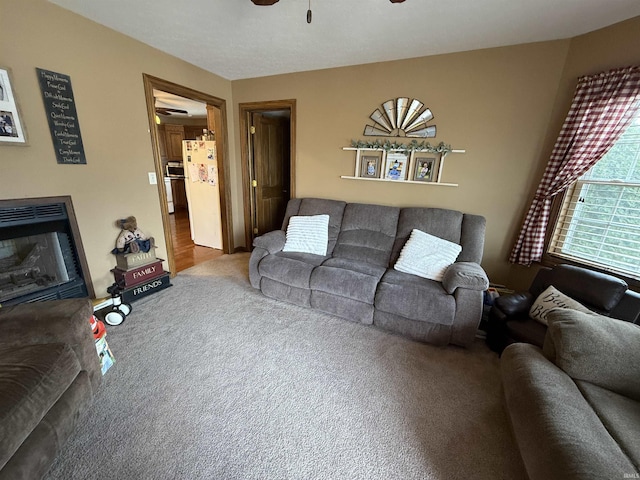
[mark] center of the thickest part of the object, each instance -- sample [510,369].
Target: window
[599,221]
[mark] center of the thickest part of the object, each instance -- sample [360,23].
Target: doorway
[168,155]
[268,164]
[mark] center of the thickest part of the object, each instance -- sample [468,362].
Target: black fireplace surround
[41,253]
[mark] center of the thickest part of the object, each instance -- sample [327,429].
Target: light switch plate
[153,180]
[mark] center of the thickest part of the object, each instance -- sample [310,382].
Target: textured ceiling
[168,100]
[236,39]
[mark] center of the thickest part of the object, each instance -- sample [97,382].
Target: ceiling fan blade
[169,111]
[264,2]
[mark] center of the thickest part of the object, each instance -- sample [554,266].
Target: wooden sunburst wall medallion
[401,117]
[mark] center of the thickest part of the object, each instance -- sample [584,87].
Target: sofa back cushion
[368,233]
[472,238]
[464,229]
[317,206]
[598,290]
[596,349]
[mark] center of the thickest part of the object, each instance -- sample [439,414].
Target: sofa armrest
[514,304]
[544,405]
[628,308]
[273,242]
[55,321]
[465,275]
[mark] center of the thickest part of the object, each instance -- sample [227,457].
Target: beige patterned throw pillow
[550,299]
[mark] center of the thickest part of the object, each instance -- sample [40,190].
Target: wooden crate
[138,275]
[128,261]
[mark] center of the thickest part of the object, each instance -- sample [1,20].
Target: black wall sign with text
[62,116]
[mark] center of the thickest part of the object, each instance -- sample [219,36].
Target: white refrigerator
[203,192]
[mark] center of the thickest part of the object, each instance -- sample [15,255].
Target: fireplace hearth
[41,253]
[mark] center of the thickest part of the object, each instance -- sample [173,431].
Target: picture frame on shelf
[370,165]
[12,130]
[424,168]
[396,166]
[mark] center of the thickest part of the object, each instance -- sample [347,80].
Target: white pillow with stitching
[307,234]
[427,256]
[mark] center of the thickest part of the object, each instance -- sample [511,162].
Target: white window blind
[599,222]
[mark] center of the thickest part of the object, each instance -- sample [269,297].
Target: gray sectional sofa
[49,372]
[356,280]
[575,404]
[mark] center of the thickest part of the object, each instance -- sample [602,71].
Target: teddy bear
[131,238]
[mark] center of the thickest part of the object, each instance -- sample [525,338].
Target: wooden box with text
[137,275]
[128,261]
[147,288]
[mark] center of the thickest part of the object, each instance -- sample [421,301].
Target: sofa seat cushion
[415,298]
[620,416]
[347,278]
[32,379]
[356,266]
[290,268]
[527,330]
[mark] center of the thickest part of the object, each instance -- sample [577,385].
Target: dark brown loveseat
[49,370]
[509,320]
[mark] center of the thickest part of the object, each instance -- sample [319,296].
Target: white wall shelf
[409,167]
[433,184]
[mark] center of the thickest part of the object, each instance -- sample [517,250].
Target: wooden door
[191,132]
[179,193]
[162,143]
[174,137]
[271,172]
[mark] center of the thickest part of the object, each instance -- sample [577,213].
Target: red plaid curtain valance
[603,107]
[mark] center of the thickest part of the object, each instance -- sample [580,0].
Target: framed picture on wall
[424,169]
[396,166]
[370,165]
[11,128]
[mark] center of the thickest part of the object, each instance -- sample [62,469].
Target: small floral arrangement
[414,145]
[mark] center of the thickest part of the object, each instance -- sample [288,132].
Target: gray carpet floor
[215,381]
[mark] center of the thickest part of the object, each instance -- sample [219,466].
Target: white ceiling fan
[271,2]
[266,3]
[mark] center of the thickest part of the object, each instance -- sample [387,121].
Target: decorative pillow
[307,234]
[427,256]
[552,298]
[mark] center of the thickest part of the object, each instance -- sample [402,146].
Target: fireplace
[41,254]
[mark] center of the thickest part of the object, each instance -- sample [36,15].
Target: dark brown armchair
[509,320]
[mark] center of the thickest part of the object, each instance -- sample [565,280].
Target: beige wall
[494,103]
[504,106]
[106,73]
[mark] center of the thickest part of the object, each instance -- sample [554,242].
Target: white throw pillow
[427,256]
[307,234]
[551,299]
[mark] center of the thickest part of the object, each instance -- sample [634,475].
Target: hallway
[186,253]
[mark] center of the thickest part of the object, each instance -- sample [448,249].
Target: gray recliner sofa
[575,404]
[356,280]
